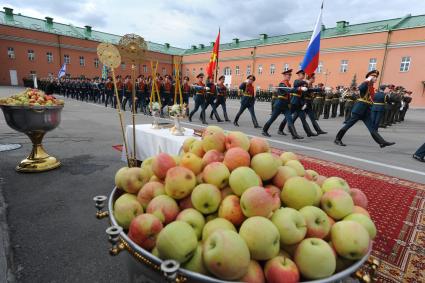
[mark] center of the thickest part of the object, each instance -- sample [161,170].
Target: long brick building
[396,47]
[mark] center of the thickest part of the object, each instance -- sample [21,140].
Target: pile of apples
[227,207]
[31,97]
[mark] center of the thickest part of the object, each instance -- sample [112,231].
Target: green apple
[297,166]
[261,236]
[126,208]
[287,155]
[315,259]
[255,272]
[196,263]
[298,192]
[226,255]
[177,241]
[243,178]
[194,218]
[337,203]
[216,224]
[217,174]
[291,225]
[257,201]
[350,239]
[365,221]
[318,225]
[206,198]
[265,165]
[335,183]
[179,182]
[192,162]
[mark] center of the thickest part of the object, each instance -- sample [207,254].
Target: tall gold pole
[133,94]
[120,116]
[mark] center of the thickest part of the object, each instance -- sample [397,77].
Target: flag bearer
[210,98]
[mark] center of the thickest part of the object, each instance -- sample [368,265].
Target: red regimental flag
[214,57]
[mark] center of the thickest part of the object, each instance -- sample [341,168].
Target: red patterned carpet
[398,209]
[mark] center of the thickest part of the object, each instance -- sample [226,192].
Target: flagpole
[216,61]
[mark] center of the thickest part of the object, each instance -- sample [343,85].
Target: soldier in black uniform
[186,93]
[281,106]
[378,107]
[109,91]
[101,86]
[407,98]
[128,88]
[307,108]
[200,89]
[361,111]
[210,98]
[221,97]
[342,92]
[247,93]
[419,155]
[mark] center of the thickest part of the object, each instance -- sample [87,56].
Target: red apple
[144,229]
[281,269]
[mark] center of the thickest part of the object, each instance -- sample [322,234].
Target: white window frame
[260,69]
[49,56]
[31,55]
[82,61]
[96,63]
[11,53]
[66,59]
[164,71]
[145,68]
[372,64]
[405,64]
[343,68]
[227,71]
[319,67]
[248,70]
[272,69]
[237,70]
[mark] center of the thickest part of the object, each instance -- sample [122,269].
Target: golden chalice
[35,122]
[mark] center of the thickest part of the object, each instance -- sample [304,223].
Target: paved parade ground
[54,235]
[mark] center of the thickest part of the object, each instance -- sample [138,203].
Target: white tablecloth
[150,142]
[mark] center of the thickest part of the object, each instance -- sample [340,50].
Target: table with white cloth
[150,142]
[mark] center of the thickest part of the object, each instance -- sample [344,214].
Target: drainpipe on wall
[390,29]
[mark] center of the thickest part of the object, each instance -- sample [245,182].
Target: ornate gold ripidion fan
[133,47]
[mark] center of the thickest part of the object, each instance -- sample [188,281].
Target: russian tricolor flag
[311,58]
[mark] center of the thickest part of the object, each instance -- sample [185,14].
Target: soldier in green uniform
[335,103]
[327,104]
[318,102]
[350,99]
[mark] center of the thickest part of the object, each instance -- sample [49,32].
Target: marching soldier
[120,90]
[109,90]
[247,101]
[387,113]
[221,97]
[335,103]
[200,89]
[407,98]
[318,102]
[210,98]
[361,111]
[167,91]
[378,107]
[342,92]
[327,103]
[281,106]
[128,89]
[398,105]
[350,99]
[186,93]
[307,108]
[419,155]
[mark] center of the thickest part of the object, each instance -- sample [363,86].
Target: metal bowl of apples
[145,267]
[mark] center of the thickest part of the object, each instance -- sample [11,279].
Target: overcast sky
[185,22]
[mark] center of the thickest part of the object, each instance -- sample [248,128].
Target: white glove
[369,78]
[304,107]
[303,88]
[207,88]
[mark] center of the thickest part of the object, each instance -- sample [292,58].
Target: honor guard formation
[376,106]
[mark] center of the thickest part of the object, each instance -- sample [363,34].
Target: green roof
[78,32]
[377,26]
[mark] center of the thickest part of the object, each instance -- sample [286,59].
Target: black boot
[190,116]
[380,140]
[294,133]
[317,128]
[225,116]
[308,130]
[265,133]
[281,128]
[339,136]
[235,122]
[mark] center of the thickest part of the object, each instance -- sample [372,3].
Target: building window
[96,63]
[145,69]
[237,71]
[227,71]
[82,61]
[285,67]
[193,71]
[49,56]
[66,59]
[320,67]
[31,55]
[372,64]
[122,65]
[11,53]
[260,69]
[164,71]
[187,72]
[344,66]
[405,64]
[272,69]
[248,70]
